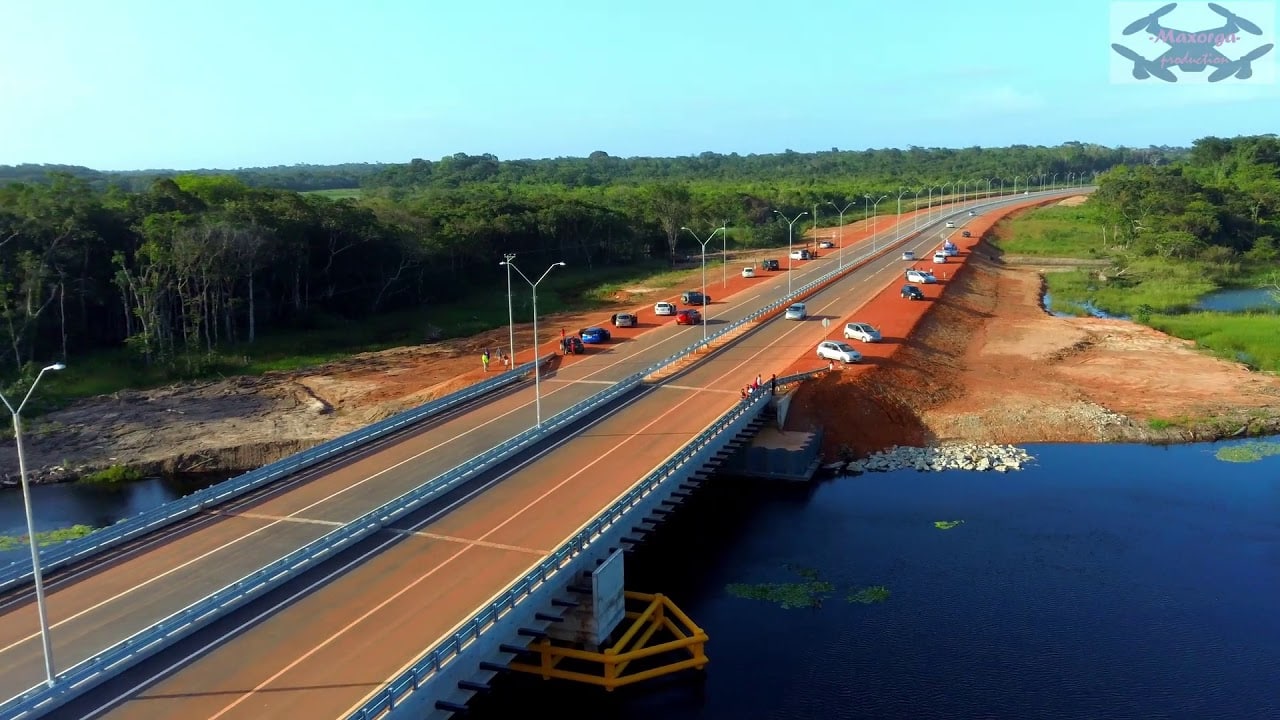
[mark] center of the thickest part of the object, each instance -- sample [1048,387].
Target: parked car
[939,257]
[801,255]
[688,316]
[950,224]
[594,335]
[950,250]
[861,331]
[664,308]
[770,265]
[966,233]
[572,345]
[920,276]
[797,312]
[908,255]
[826,244]
[748,272]
[623,320]
[838,351]
[912,292]
[693,297]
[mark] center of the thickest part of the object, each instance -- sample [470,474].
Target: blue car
[594,335]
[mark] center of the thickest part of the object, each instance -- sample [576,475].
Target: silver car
[838,351]
[862,332]
[797,312]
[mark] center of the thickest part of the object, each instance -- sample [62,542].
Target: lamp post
[915,218]
[703,243]
[537,369]
[36,576]
[511,317]
[790,224]
[841,210]
[874,205]
[724,254]
[942,194]
[897,221]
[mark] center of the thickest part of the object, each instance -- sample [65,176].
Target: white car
[950,224]
[972,213]
[939,258]
[950,250]
[800,255]
[908,255]
[748,272]
[797,312]
[920,276]
[861,331]
[664,308]
[825,244]
[838,351]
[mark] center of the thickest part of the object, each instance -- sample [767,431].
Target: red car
[688,317]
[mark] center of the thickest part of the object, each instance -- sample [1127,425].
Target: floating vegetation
[1248,452]
[113,475]
[48,537]
[807,594]
[869,595]
[947,524]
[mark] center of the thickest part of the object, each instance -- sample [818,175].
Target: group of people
[757,384]
[486,357]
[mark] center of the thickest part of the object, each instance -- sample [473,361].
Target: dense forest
[1220,203]
[179,266]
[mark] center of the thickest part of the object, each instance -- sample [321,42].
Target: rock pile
[965,456]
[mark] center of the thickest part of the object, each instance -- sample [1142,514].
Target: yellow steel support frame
[659,614]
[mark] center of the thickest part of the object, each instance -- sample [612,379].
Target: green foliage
[1052,232]
[1248,452]
[1159,423]
[947,524]
[1250,338]
[48,537]
[114,475]
[870,595]
[1163,285]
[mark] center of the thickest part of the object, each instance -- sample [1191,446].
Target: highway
[113,596]
[324,642]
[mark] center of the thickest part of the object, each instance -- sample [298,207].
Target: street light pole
[703,243]
[874,205]
[790,224]
[537,368]
[915,217]
[904,191]
[841,211]
[724,254]
[511,317]
[36,576]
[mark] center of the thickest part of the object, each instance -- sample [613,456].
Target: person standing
[484,360]
[773,384]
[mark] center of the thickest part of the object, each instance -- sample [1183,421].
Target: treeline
[299,178]
[191,265]
[1220,203]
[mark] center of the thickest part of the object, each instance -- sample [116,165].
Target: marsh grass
[48,537]
[1052,232]
[1248,452]
[947,524]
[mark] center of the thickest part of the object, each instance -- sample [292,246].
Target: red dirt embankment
[980,361]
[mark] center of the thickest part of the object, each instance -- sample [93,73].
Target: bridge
[390,573]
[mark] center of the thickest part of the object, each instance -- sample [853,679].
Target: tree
[672,206]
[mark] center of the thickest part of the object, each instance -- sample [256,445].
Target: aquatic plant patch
[1248,452]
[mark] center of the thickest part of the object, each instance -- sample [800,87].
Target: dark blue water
[1239,300]
[1104,582]
[1086,307]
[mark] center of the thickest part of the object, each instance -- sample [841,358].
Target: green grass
[1250,338]
[48,537]
[114,475]
[1248,452]
[1156,284]
[337,193]
[1051,232]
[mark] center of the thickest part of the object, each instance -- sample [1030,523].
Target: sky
[142,84]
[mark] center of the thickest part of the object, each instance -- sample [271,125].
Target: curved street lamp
[841,211]
[703,243]
[790,224]
[537,367]
[36,576]
[874,205]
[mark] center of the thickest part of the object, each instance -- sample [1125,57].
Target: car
[826,244]
[770,265]
[939,257]
[908,255]
[950,250]
[664,308]
[966,233]
[748,272]
[861,331]
[623,320]
[920,276]
[912,292]
[950,224]
[800,255]
[972,213]
[594,335]
[693,297]
[838,351]
[572,345]
[688,316]
[797,312]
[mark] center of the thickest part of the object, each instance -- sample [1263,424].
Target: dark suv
[769,265]
[911,292]
[693,297]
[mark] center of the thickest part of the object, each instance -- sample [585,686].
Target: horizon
[245,85]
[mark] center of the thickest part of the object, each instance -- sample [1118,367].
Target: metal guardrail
[201,613]
[19,571]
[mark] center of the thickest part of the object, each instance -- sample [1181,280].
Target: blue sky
[146,84]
